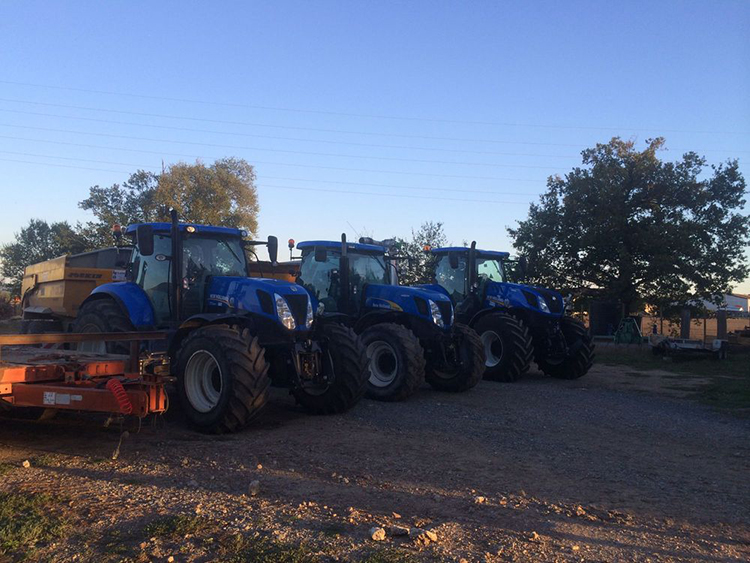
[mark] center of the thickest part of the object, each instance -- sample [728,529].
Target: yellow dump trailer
[286,271]
[57,287]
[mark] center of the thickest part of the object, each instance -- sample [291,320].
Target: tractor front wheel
[470,363]
[102,315]
[580,352]
[507,346]
[344,367]
[222,378]
[397,364]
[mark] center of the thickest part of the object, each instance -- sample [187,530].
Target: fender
[421,327]
[131,298]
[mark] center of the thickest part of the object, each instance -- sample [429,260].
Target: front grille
[298,305]
[446,309]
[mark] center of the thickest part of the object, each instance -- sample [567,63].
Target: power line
[390,186]
[306,153]
[367,116]
[237,134]
[270,163]
[266,186]
[323,130]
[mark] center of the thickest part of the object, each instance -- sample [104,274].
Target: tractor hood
[525,297]
[410,300]
[258,295]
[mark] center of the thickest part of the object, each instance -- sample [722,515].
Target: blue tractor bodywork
[229,335]
[516,319]
[408,331]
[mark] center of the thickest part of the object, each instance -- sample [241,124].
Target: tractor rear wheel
[102,315]
[470,368]
[344,365]
[222,378]
[507,346]
[397,364]
[580,356]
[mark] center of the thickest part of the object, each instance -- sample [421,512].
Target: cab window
[452,279]
[152,274]
[490,270]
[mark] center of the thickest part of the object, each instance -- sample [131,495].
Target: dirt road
[540,470]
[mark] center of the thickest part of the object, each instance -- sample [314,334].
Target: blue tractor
[516,323]
[408,332]
[229,336]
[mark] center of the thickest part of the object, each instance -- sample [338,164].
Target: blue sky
[360,117]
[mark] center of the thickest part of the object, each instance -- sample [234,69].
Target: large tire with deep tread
[470,370]
[507,345]
[577,364]
[392,348]
[102,315]
[345,362]
[236,374]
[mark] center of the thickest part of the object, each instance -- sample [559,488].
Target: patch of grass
[6,468]
[729,387]
[262,549]
[27,520]
[176,526]
[389,555]
[44,460]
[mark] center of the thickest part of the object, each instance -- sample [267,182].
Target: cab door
[152,274]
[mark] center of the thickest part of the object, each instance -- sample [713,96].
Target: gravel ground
[539,470]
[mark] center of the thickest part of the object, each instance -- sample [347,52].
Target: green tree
[36,242]
[221,194]
[638,229]
[416,268]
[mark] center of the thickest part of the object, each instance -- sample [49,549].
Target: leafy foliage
[36,242]
[638,229]
[223,193]
[416,268]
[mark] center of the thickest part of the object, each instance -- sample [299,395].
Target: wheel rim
[203,381]
[493,348]
[91,347]
[383,363]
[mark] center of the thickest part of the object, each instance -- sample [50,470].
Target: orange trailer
[83,381]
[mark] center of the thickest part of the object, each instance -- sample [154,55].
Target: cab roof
[208,229]
[465,249]
[336,245]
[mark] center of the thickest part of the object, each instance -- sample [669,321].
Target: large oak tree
[639,229]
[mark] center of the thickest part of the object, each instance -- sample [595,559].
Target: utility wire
[254,135]
[323,130]
[315,166]
[359,115]
[284,151]
[273,186]
[283,178]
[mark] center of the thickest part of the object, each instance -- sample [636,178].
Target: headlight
[437,318]
[309,318]
[284,312]
[543,304]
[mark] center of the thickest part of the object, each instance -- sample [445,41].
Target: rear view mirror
[144,235]
[273,249]
[453,260]
[320,254]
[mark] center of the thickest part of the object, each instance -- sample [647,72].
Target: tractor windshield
[213,256]
[322,278]
[452,279]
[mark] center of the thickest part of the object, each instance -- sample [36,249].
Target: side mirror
[144,235]
[320,254]
[273,248]
[453,260]
[523,265]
